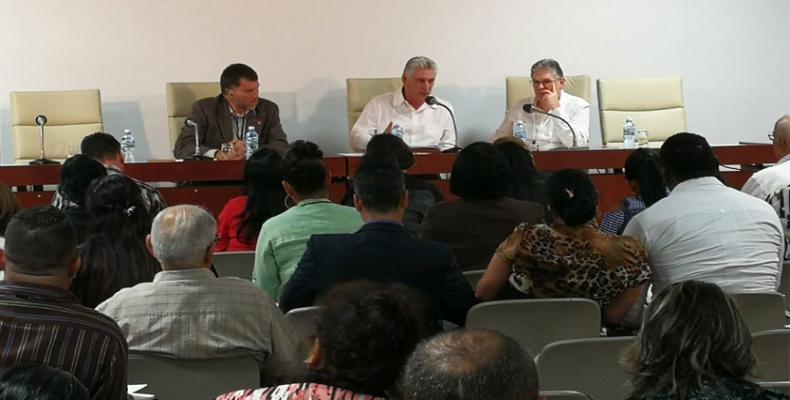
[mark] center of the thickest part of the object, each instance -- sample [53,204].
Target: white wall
[733,55]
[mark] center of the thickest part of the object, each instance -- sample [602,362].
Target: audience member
[105,149]
[470,365]
[113,255]
[364,334]
[528,182]
[9,206]
[284,237]
[704,230]
[484,215]
[644,177]
[76,175]
[41,322]
[382,250]
[40,382]
[570,258]
[693,346]
[241,219]
[187,312]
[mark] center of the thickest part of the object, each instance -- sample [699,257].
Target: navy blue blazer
[381,251]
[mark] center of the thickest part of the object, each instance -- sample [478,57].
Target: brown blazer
[216,127]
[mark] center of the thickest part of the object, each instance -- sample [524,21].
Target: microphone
[190,122]
[529,109]
[41,120]
[432,101]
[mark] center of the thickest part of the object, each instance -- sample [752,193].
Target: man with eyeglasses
[544,130]
[764,183]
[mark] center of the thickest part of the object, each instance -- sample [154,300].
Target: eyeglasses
[771,137]
[546,83]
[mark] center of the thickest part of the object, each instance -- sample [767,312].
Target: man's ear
[74,266]
[315,359]
[2,260]
[404,201]
[357,203]
[149,245]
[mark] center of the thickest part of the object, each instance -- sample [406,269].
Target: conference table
[211,183]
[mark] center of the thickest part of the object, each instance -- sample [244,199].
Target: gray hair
[181,234]
[418,62]
[549,64]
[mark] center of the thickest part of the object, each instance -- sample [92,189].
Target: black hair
[687,156]
[303,168]
[572,196]
[114,255]
[644,167]
[380,184]
[75,176]
[232,75]
[40,382]
[100,146]
[528,182]
[481,172]
[9,206]
[470,365]
[263,187]
[366,332]
[40,241]
[386,145]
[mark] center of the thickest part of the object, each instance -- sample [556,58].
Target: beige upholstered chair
[180,97]
[359,91]
[71,115]
[520,87]
[654,104]
[238,264]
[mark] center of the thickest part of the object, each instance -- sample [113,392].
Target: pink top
[228,224]
[297,391]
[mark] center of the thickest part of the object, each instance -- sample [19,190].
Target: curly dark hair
[264,190]
[572,196]
[366,332]
[40,382]
[75,176]
[481,172]
[303,168]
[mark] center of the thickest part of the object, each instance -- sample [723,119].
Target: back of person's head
[379,185]
[687,156]
[263,187]
[470,365]
[40,241]
[182,235]
[232,75]
[384,146]
[116,205]
[9,206]
[100,146]
[644,167]
[40,382]
[692,333]
[527,181]
[481,172]
[76,175]
[572,196]
[365,332]
[303,168]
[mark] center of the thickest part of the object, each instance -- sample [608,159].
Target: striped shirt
[46,325]
[297,391]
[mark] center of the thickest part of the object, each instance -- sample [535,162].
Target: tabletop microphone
[432,101]
[529,109]
[40,121]
[190,122]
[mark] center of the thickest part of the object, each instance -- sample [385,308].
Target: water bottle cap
[127,131]
[251,128]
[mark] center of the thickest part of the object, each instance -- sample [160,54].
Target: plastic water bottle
[629,134]
[397,131]
[251,140]
[127,146]
[520,131]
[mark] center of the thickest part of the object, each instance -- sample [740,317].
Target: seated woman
[114,255]
[485,214]
[693,345]
[643,173]
[528,181]
[283,238]
[570,258]
[241,219]
[365,333]
[76,175]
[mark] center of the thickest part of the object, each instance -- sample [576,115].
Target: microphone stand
[197,156]
[433,102]
[529,109]
[41,121]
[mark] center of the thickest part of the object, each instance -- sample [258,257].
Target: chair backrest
[239,264]
[590,366]
[534,323]
[563,395]
[474,276]
[303,322]
[761,311]
[784,284]
[782,387]
[180,97]
[71,115]
[772,351]
[654,104]
[520,87]
[172,379]
[359,91]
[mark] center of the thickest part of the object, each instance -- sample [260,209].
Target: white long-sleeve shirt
[549,132]
[427,126]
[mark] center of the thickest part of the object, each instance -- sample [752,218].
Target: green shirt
[283,239]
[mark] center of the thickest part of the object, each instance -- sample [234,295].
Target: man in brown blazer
[226,118]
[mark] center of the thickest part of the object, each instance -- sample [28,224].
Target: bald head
[782,136]
[182,237]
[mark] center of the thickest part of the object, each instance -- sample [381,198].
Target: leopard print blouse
[560,261]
